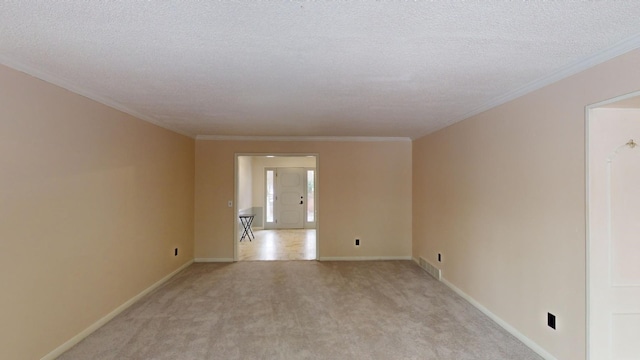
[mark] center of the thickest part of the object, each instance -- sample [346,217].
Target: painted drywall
[245,184]
[364,187]
[92,204]
[502,196]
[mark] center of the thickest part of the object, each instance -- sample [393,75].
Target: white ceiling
[298,68]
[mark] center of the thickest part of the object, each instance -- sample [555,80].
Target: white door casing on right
[614,233]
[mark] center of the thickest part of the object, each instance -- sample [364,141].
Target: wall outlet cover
[551,320]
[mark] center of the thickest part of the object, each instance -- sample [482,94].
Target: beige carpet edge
[495,318]
[95,326]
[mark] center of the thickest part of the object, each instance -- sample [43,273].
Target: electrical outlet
[551,320]
[175,252]
[439,257]
[357,242]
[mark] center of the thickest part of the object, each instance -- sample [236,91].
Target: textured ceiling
[365,68]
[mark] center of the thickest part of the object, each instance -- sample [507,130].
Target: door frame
[305,224]
[236,233]
[588,239]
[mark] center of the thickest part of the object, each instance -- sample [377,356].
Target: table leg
[249,227]
[244,229]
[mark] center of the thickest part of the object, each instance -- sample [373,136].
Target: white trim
[619,48]
[95,326]
[317,205]
[611,101]
[587,142]
[587,241]
[302,138]
[78,90]
[213,260]
[513,331]
[363,258]
[609,53]
[236,196]
[236,234]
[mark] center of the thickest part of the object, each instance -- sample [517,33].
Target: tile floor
[295,244]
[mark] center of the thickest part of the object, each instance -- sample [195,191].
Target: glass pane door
[311,196]
[270,194]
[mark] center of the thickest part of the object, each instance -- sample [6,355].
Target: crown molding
[67,85]
[620,48]
[302,138]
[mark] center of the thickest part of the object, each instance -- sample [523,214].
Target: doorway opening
[279,194]
[613,249]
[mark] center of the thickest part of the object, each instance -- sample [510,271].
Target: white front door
[290,198]
[614,234]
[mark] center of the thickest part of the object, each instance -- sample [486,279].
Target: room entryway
[613,250]
[279,193]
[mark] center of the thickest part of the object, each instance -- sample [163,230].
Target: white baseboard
[212,260]
[95,326]
[363,258]
[513,331]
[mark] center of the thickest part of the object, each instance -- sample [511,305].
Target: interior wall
[93,203]
[245,183]
[502,196]
[364,187]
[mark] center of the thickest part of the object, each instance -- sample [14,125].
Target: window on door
[311,195]
[270,192]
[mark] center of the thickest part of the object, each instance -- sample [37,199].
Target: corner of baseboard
[95,326]
[510,329]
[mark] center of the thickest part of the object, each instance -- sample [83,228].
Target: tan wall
[502,197]
[245,183]
[364,187]
[92,204]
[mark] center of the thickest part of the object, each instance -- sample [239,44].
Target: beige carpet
[302,310]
